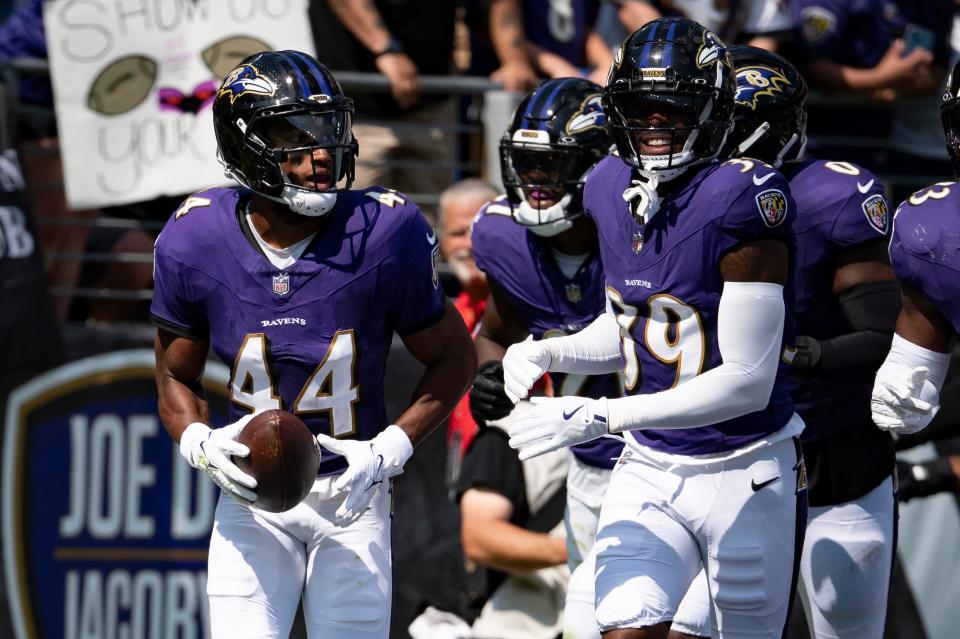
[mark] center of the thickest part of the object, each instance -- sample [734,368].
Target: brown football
[284,458]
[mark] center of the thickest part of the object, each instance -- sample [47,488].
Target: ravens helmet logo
[758,80]
[243,80]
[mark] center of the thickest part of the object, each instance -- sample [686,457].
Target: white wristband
[190,439]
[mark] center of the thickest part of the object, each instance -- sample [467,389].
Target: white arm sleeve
[749,335]
[904,356]
[593,351]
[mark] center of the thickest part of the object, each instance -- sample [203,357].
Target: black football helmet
[950,117]
[670,66]
[274,105]
[557,134]
[770,108]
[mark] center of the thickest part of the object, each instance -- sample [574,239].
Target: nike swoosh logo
[863,188]
[757,486]
[432,237]
[759,181]
[573,412]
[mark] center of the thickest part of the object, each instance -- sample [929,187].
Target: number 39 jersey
[313,338]
[664,283]
[925,247]
[549,303]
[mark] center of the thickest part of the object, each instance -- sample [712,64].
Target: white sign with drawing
[134,82]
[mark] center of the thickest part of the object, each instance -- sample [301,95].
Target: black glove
[923,480]
[808,353]
[488,401]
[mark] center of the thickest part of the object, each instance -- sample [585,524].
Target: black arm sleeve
[870,311]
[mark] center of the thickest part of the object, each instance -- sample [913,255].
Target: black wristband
[393,46]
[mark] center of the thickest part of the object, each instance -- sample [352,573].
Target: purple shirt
[849,32]
[925,247]
[839,205]
[549,303]
[312,339]
[664,282]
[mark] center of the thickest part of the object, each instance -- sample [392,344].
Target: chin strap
[644,191]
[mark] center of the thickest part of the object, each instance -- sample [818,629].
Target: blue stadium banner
[105,527]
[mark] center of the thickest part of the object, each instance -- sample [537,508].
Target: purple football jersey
[311,339]
[839,205]
[850,32]
[561,28]
[664,282]
[549,303]
[925,247]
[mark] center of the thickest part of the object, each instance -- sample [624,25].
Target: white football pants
[261,564]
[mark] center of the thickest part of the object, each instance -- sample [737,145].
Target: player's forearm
[750,332]
[179,406]
[506,31]
[593,351]
[488,348]
[363,20]
[832,77]
[509,548]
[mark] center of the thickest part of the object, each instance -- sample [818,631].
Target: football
[122,85]
[284,458]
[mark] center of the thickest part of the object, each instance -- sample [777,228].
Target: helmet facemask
[301,156]
[686,131]
[549,175]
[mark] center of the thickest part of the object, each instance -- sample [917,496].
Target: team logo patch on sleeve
[875,208]
[818,24]
[773,207]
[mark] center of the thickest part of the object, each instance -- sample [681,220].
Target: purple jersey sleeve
[418,300]
[864,215]
[179,288]
[764,208]
[899,258]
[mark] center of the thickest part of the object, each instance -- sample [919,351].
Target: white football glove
[210,451]
[896,404]
[369,462]
[556,422]
[523,364]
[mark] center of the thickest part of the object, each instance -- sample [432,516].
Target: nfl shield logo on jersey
[573,293]
[281,284]
[773,207]
[875,208]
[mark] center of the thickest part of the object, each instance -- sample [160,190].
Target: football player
[923,250]
[541,258]
[300,283]
[846,303]
[696,255]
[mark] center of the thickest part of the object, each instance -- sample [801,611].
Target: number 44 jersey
[664,284]
[312,338]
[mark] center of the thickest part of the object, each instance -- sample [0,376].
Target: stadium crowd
[781,135]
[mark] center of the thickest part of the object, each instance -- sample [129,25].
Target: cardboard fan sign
[134,82]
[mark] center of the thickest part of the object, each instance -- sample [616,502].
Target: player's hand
[488,400]
[516,75]
[210,450]
[895,403]
[369,462]
[556,422]
[403,75]
[524,363]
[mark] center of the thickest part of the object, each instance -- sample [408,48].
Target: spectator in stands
[512,530]
[22,36]
[760,23]
[458,204]
[886,50]
[407,136]
[530,39]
